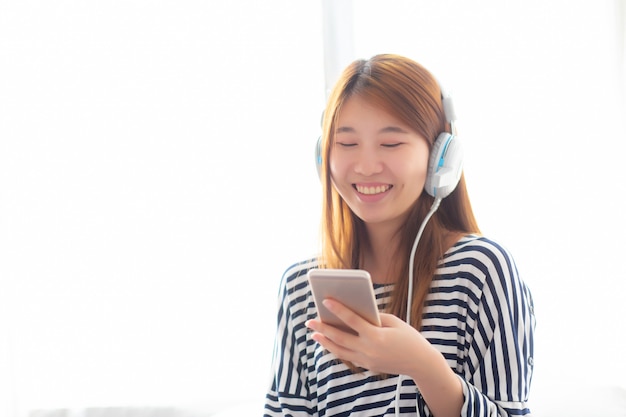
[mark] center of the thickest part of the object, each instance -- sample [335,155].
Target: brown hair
[406,90]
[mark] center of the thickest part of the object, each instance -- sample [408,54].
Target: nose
[368,163]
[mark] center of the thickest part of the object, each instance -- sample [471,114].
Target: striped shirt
[478,314]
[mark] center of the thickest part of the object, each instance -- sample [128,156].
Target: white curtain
[156,178]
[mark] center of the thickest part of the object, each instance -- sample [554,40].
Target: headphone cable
[409,300]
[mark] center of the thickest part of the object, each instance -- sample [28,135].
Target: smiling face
[377,163]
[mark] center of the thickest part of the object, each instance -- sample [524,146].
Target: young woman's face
[377,164]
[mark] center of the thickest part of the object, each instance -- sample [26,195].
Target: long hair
[406,90]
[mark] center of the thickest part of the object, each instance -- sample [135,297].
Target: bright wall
[157,177]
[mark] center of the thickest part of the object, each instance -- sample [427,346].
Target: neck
[379,254]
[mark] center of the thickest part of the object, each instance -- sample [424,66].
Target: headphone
[445,164]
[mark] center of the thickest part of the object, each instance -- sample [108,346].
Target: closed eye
[391,145]
[346,144]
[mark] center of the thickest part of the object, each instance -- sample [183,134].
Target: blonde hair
[406,90]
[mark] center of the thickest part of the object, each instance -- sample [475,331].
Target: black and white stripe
[478,314]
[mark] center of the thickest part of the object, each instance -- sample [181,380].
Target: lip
[380,191]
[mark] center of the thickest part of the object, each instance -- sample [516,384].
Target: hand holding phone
[351,287]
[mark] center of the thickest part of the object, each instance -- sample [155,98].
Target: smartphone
[351,287]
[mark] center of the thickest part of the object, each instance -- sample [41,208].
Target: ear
[445,166]
[318,156]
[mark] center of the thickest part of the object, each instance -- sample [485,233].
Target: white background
[157,177]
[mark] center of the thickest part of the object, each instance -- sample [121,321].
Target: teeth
[372,190]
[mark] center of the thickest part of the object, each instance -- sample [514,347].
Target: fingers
[329,332]
[332,339]
[349,317]
[337,335]
[345,345]
[379,349]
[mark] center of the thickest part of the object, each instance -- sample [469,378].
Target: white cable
[409,299]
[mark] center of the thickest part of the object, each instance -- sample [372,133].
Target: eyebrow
[388,129]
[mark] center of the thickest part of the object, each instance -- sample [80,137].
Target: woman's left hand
[393,348]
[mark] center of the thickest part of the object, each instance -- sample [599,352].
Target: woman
[467,347]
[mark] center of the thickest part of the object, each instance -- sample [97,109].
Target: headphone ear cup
[318,157]
[445,166]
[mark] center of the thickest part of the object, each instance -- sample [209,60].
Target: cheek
[414,169]
[421,165]
[415,180]
[334,172]
[335,167]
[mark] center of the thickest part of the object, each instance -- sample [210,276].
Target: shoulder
[295,275]
[295,300]
[479,251]
[294,284]
[483,261]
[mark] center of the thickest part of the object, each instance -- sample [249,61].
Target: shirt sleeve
[499,363]
[289,394]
